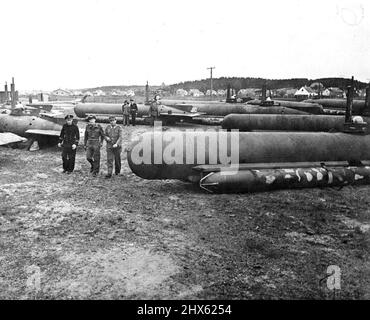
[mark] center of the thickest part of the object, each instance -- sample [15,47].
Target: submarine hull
[252,122]
[293,178]
[177,154]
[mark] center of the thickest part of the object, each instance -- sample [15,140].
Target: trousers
[133,118]
[126,118]
[114,155]
[93,156]
[68,157]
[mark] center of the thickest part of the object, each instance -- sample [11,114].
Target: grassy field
[76,236]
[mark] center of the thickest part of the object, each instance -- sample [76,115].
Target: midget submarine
[221,161]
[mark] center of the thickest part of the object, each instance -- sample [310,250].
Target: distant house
[317,86]
[333,92]
[181,92]
[214,93]
[290,93]
[62,92]
[195,93]
[77,93]
[128,93]
[99,93]
[361,93]
[305,93]
[221,92]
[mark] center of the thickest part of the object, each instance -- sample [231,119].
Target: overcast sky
[50,44]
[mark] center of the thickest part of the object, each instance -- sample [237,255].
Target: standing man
[94,137]
[133,111]
[126,113]
[153,110]
[113,136]
[68,139]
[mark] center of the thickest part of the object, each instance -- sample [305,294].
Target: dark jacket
[69,135]
[133,108]
[93,133]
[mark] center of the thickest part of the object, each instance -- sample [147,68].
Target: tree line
[238,83]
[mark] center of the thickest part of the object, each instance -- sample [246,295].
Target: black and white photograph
[207,151]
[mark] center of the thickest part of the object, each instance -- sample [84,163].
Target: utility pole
[211,68]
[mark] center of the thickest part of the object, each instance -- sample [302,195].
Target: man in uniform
[126,113]
[153,110]
[113,136]
[94,137]
[133,111]
[68,139]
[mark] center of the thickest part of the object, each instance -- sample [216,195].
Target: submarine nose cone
[145,171]
[227,122]
[79,111]
[139,157]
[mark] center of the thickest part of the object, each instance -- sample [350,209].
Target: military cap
[68,116]
[91,117]
[131,99]
[112,118]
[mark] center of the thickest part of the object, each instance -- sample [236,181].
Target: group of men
[95,136]
[93,141]
[129,108]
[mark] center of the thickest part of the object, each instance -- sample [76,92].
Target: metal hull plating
[20,124]
[312,108]
[84,109]
[358,106]
[272,179]
[221,109]
[209,148]
[252,122]
[214,109]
